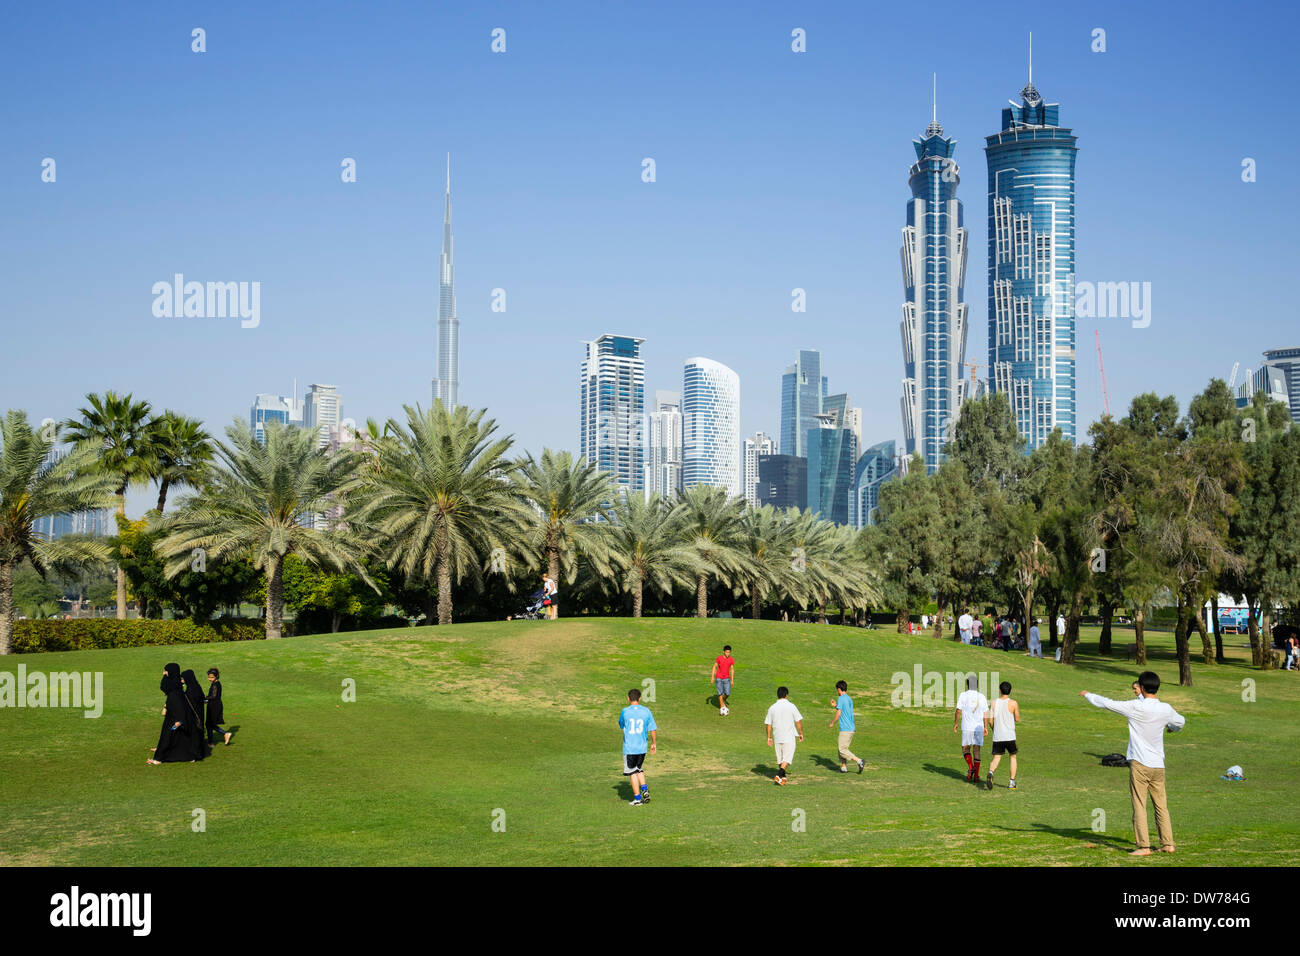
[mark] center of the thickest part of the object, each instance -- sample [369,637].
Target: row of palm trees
[436,497]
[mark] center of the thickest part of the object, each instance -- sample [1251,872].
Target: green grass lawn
[455,727]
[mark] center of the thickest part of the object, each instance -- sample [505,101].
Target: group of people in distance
[1006,635]
[1148,719]
[191,719]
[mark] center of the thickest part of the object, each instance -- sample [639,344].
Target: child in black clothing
[215,711]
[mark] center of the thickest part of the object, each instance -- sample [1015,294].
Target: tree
[31,488]
[180,453]
[571,500]
[644,540]
[260,504]
[439,498]
[712,531]
[905,540]
[766,536]
[117,427]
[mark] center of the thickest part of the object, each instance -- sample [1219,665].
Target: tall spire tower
[447,385]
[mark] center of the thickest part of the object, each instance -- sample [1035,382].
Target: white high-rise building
[759,444]
[447,385]
[711,426]
[323,412]
[663,452]
[612,409]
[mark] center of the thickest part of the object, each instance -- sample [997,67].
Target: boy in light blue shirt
[844,717]
[636,723]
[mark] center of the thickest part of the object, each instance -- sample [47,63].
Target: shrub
[32,637]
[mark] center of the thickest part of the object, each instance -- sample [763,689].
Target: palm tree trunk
[636,598]
[1266,635]
[162,494]
[444,586]
[6,608]
[756,604]
[121,575]
[275,599]
[1139,635]
[702,596]
[902,620]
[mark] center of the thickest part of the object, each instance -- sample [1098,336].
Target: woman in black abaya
[194,699]
[174,742]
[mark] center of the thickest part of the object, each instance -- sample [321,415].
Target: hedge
[32,637]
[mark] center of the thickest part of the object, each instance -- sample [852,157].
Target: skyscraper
[710,425]
[663,451]
[323,412]
[1288,361]
[803,389]
[877,465]
[269,408]
[832,465]
[447,385]
[759,444]
[934,315]
[612,412]
[782,481]
[1031,265]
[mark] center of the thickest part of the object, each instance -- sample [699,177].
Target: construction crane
[1101,366]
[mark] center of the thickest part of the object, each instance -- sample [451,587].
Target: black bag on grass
[1114,760]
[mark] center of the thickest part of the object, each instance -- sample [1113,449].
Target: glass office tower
[934,315]
[710,425]
[1031,266]
[611,415]
[803,390]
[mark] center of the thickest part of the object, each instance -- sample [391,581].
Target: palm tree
[439,496]
[181,451]
[571,498]
[713,531]
[766,537]
[644,537]
[31,488]
[117,427]
[259,504]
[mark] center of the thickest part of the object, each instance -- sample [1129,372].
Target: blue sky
[775,170]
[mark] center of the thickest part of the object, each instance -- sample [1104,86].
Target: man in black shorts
[1003,715]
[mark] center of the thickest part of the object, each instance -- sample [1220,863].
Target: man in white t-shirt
[972,706]
[1035,641]
[1149,720]
[964,624]
[784,724]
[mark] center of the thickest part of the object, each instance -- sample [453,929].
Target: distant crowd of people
[192,719]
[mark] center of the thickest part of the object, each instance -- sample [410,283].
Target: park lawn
[455,729]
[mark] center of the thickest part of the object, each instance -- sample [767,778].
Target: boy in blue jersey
[844,717]
[636,722]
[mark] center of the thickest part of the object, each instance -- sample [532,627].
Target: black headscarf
[195,696]
[171,680]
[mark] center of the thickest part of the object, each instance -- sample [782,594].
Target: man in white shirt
[1060,626]
[1035,641]
[784,723]
[972,706]
[1148,721]
[964,624]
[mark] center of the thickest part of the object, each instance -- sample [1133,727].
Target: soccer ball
[724,711]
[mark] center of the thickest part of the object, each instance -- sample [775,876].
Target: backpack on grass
[1114,760]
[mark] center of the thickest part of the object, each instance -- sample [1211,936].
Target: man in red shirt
[724,670]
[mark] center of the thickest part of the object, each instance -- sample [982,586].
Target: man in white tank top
[1004,716]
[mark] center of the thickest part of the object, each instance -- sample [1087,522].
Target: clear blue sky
[776,170]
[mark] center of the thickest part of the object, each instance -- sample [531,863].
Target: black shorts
[632,763]
[1004,747]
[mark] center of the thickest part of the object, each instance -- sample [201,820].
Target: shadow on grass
[1082,834]
[826,763]
[624,790]
[763,770]
[945,771]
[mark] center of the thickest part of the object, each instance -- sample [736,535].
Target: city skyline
[702,260]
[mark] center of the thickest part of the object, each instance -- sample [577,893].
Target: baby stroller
[536,601]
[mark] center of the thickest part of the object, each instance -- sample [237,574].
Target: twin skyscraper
[1031,316]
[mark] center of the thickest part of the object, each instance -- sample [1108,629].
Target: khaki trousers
[845,740]
[1141,781]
